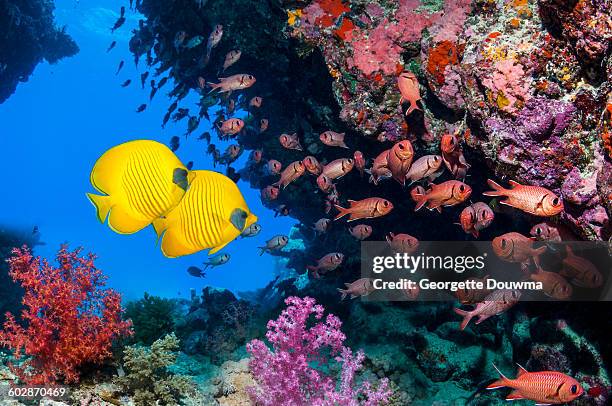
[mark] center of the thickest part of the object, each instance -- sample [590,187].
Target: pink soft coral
[509,85]
[70,320]
[290,374]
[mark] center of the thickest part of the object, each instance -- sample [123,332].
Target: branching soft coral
[509,85]
[69,318]
[302,344]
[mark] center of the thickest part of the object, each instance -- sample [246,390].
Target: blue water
[58,124]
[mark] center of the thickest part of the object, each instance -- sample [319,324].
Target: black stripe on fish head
[238,218]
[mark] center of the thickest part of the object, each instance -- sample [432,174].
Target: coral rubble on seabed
[29,35]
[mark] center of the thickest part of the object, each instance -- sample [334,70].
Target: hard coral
[70,319]
[290,372]
[147,377]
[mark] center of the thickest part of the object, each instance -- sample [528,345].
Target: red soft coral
[69,318]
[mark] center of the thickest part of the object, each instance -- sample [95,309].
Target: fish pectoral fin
[515,395]
[238,219]
[160,225]
[180,177]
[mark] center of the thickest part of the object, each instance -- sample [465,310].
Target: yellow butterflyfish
[141,181]
[212,213]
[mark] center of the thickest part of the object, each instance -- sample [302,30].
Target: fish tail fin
[103,205]
[500,383]
[342,212]
[498,190]
[420,201]
[343,145]
[314,270]
[467,316]
[160,225]
[343,292]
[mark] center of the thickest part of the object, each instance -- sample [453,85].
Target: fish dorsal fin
[515,395]
[514,183]
[521,370]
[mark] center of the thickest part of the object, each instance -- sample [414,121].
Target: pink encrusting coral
[380,50]
[291,372]
[69,319]
[509,85]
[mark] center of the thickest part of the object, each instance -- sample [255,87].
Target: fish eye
[538,231]
[452,140]
[574,389]
[484,215]
[461,188]
[503,243]
[385,203]
[401,146]
[350,161]
[337,256]
[555,201]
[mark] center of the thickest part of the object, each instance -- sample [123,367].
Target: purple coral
[289,373]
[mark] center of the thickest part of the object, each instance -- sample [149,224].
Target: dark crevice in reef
[28,35]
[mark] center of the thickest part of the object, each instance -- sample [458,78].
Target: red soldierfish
[427,166]
[361,231]
[290,141]
[402,243]
[409,89]
[324,183]
[269,193]
[274,244]
[213,40]
[312,165]
[553,284]
[544,387]
[416,192]
[234,82]
[256,155]
[359,162]
[534,200]
[495,303]
[515,247]
[263,124]
[322,225]
[475,218]
[365,209]
[274,167]
[333,139]
[326,264]
[548,232]
[399,160]
[473,296]
[231,127]
[581,271]
[452,155]
[256,102]
[231,58]
[360,287]
[293,171]
[338,168]
[380,168]
[449,193]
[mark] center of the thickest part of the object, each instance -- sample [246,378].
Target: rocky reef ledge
[28,35]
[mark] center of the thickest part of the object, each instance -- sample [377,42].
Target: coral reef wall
[28,35]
